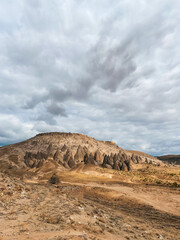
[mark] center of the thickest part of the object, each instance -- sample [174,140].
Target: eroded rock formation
[118,161]
[64,156]
[70,150]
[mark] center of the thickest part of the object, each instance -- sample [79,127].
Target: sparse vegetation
[54,179]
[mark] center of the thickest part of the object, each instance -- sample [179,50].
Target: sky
[109,69]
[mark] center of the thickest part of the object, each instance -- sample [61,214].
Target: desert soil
[35,209]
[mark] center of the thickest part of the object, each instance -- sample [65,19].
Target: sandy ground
[34,209]
[159,198]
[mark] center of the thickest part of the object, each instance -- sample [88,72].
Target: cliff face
[68,150]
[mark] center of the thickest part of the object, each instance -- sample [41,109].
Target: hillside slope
[69,150]
[173,159]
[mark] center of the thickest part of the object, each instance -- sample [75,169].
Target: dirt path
[160,198]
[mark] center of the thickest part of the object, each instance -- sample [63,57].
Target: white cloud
[12,129]
[109,69]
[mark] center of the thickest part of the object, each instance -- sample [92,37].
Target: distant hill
[141,154]
[173,159]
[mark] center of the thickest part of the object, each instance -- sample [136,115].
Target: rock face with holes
[68,150]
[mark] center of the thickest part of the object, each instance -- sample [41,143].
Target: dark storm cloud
[47,118]
[60,95]
[115,67]
[78,92]
[54,109]
[35,100]
[109,69]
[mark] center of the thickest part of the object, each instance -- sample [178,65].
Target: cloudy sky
[106,68]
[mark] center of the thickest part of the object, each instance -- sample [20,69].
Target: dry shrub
[54,179]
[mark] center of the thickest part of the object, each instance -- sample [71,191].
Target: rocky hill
[172,159]
[69,150]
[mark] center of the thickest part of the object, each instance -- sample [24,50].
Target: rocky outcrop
[98,157]
[67,155]
[59,156]
[71,162]
[50,150]
[40,163]
[34,159]
[90,159]
[136,158]
[64,148]
[80,153]
[68,159]
[118,161]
